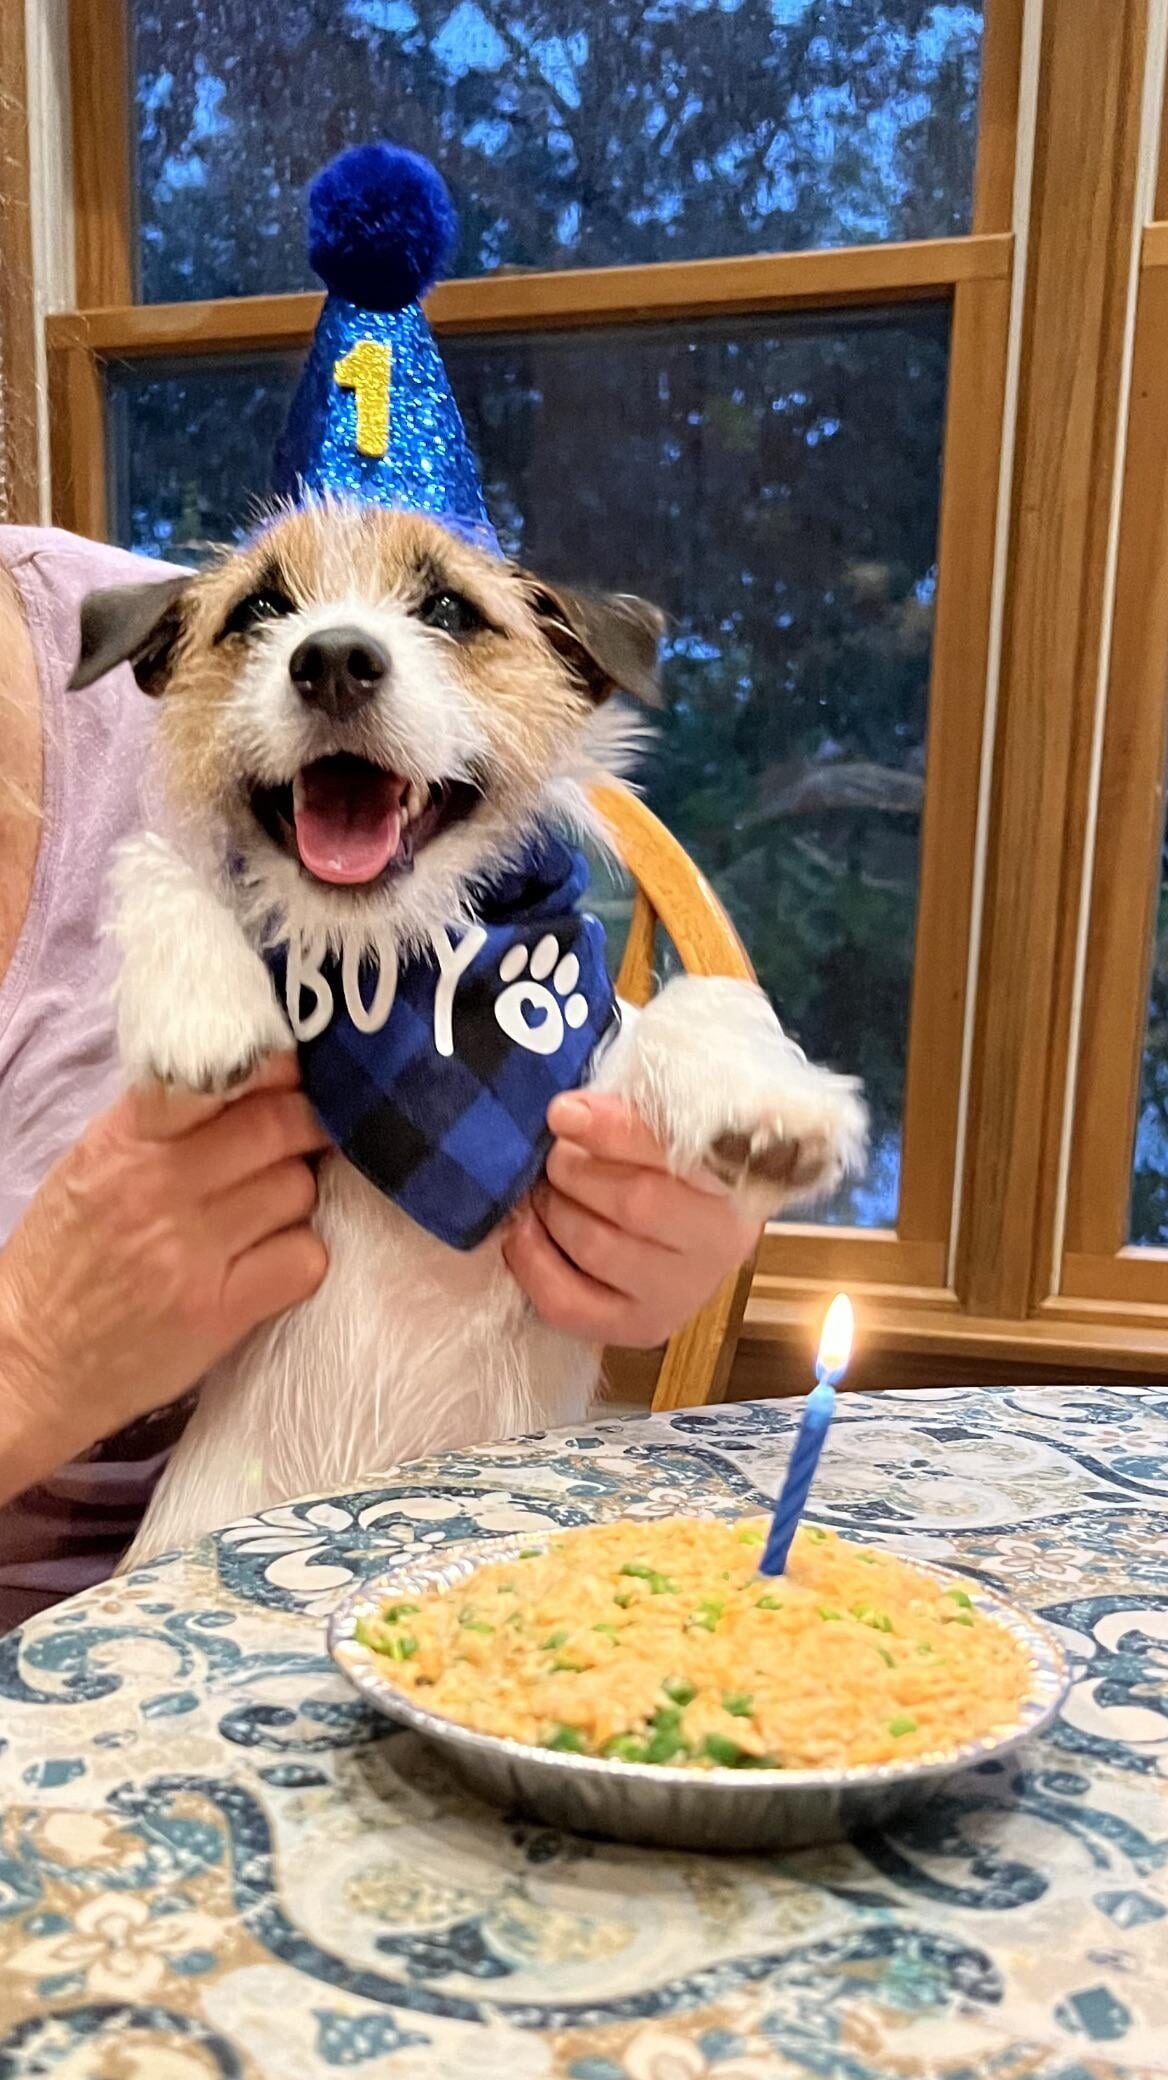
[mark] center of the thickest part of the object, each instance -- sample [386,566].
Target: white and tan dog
[368,672]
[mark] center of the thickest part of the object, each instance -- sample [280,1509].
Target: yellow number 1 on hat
[365,371]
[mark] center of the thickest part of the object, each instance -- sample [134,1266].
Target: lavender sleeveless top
[57,1065]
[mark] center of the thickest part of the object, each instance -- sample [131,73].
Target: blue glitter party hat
[374,417]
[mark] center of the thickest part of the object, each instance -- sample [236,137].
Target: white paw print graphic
[527,995]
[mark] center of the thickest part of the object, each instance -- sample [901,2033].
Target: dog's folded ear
[138,625]
[611,640]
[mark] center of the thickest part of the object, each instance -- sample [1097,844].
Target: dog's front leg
[708,1066]
[196,1006]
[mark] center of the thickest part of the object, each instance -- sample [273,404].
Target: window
[744,317]
[573,135]
[733,290]
[1116,1229]
[1149,1204]
[774,485]
[731,388]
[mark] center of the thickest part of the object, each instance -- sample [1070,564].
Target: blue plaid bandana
[435,1079]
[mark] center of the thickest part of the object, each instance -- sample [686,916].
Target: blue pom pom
[381,226]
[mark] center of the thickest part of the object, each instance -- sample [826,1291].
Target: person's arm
[168,1232]
[613,1248]
[33,1439]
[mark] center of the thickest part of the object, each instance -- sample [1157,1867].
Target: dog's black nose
[338,670]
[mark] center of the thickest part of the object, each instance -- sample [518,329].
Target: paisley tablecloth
[214,1863]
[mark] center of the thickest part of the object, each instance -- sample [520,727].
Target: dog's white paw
[215,1048]
[708,1066]
[810,1135]
[196,1006]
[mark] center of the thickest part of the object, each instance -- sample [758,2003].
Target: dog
[358,664]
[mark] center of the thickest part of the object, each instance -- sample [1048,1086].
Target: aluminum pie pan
[715,1809]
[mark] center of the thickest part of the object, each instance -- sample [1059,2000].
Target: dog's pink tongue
[348,819]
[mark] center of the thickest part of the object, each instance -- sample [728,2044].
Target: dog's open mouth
[348,821]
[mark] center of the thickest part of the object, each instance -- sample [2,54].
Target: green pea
[739,1706]
[768,1603]
[959,1596]
[477,1625]
[624,1747]
[751,1537]
[878,1620]
[624,1599]
[900,1726]
[708,1613]
[403,1648]
[569,1668]
[959,1618]
[393,1611]
[659,1584]
[567,1740]
[727,1754]
[607,1632]
[665,1747]
[829,1616]
[554,1640]
[679,1691]
[816,1535]
[531,1553]
[888,1659]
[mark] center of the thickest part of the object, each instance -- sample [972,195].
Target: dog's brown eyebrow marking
[270,578]
[432,576]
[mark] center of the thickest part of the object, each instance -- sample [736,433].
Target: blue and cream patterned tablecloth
[214,1863]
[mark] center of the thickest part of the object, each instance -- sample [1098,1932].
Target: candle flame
[835,1342]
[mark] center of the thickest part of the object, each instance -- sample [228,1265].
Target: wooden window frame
[972,275]
[20,477]
[1081,734]
[1098,1266]
[966,1278]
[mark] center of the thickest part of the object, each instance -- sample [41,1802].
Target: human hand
[611,1247]
[172,1228]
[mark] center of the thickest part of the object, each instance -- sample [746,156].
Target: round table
[215,1862]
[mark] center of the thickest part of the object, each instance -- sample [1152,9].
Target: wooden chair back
[671,891]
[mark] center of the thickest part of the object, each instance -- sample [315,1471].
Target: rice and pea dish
[661,1643]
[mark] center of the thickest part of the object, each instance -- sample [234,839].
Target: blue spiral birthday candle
[374,417]
[835,1348]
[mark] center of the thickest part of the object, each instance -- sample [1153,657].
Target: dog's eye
[266,604]
[451,613]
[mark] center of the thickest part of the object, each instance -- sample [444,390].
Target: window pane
[190,448]
[1149,1207]
[574,133]
[774,485]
